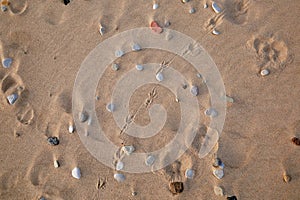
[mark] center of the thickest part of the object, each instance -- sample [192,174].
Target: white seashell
[218,191]
[155,6]
[218,173]
[189,173]
[110,107]
[192,10]
[71,128]
[177,100]
[199,75]
[211,112]
[128,150]
[6,62]
[115,67]
[83,116]
[264,72]
[119,165]
[12,98]
[159,76]
[139,67]
[194,90]
[215,32]
[76,173]
[205,5]
[215,7]
[119,53]
[185,1]
[150,160]
[136,47]
[119,177]
[101,30]
[56,164]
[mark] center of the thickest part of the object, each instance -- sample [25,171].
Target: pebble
[101,29]
[155,6]
[53,141]
[286,178]
[6,62]
[159,76]
[56,164]
[232,198]
[119,53]
[119,165]
[218,173]
[12,98]
[296,141]
[218,191]
[76,173]
[205,5]
[83,116]
[119,177]
[189,173]
[128,150]
[71,128]
[150,160]
[211,112]
[155,27]
[192,10]
[194,90]
[139,67]
[215,32]
[176,187]
[215,7]
[136,47]
[264,72]
[110,107]
[115,67]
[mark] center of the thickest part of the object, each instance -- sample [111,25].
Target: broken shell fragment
[286,178]
[150,160]
[76,173]
[139,67]
[128,150]
[296,141]
[218,173]
[218,191]
[155,6]
[71,128]
[12,98]
[115,67]
[215,32]
[215,7]
[194,90]
[119,177]
[136,47]
[155,27]
[211,112]
[119,165]
[205,5]
[264,72]
[101,29]
[192,10]
[56,164]
[159,76]
[119,53]
[110,107]
[53,141]
[83,116]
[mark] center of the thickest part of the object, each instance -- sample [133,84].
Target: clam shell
[12,98]
[119,165]
[119,53]
[215,32]
[110,107]
[155,6]
[71,128]
[101,30]
[194,90]
[136,47]
[218,191]
[119,177]
[83,116]
[56,164]
[76,173]
[150,160]
[159,76]
[139,67]
[128,150]
[115,67]
[264,72]
[215,7]
[6,62]
[218,173]
[189,173]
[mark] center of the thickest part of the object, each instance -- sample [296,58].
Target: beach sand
[48,41]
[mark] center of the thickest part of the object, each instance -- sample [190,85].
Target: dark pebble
[232,198]
[53,141]
[296,141]
[176,187]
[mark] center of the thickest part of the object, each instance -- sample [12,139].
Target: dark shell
[296,141]
[232,198]
[176,187]
[53,141]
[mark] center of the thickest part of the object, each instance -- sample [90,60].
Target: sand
[48,41]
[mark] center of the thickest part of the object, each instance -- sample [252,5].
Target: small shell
[218,191]
[119,53]
[115,67]
[110,107]
[215,7]
[176,187]
[217,162]
[83,116]
[76,173]
[215,32]
[53,141]
[286,178]
[3,8]
[264,72]
[6,62]
[199,75]
[167,23]
[232,198]
[150,160]
[192,10]
[139,67]
[71,128]
[119,177]
[12,98]
[134,193]
[101,30]
[159,76]
[185,1]
[155,6]
[296,141]
[218,173]
[128,150]
[136,47]
[211,112]
[189,173]
[56,164]
[119,165]
[205,5]
[194,90]
[177,100]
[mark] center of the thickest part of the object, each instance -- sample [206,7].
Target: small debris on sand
[176,187]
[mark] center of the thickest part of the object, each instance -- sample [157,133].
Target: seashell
[218,163]
[134,193]
[139,67]
[136,47]
[215,32]
[12,98]
[97,98]
[296,141]
[286,178]
[110,107]
[56,164]
[218,191]
[6,62]
[101,29]
[119,165]
[71,128]
[176,187]
[119,53]
[115,67]
[231,198]
[189,173]
[194,90]
[3,8]
[185,1]
[211,112]
[76,173]
[264,72]
[66,2]
[205,5]
[155,6]
[199,75]
[150,160]
[119,177]
[83,116]
[159,76]
[177,100]
[167,23]
[218,173]
[192,10]
[53,141]
[215,7]
[155,27]
[128,150]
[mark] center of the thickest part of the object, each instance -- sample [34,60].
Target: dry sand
[49,40]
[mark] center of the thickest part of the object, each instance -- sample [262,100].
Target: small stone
[6,62]
[184,86]
[264,72]
[110,107]
[189,173]
[192,10]
[12,98]
[134,193]
[76,173]
[115,67]
[71,128]
[176,187]
[296,141]
[155,6]
[139,67]
[136,47]
[286,178]
[229,99]
[159,76]
[119,177]
[53,141]
[218,173]
[119,53]
[128,150]
[215,7]
[194,90]
[83,116]
[211,112]
[150,160]
[218,191]
[215,32]
[232,198]
[119,165]
[56,164]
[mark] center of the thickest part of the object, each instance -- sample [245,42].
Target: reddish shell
[155,27]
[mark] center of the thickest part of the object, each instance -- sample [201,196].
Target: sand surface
[48,41]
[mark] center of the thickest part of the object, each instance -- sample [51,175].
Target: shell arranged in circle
[136,47]
[12,98]
[150,160]
[83,116]
[119,165]
[119,177]
[139,67]
[76,173]
[159,76]
[119,53]
[264,72]
[215,7]
[218,173]
[6,62]
[211,112]
[110,107]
